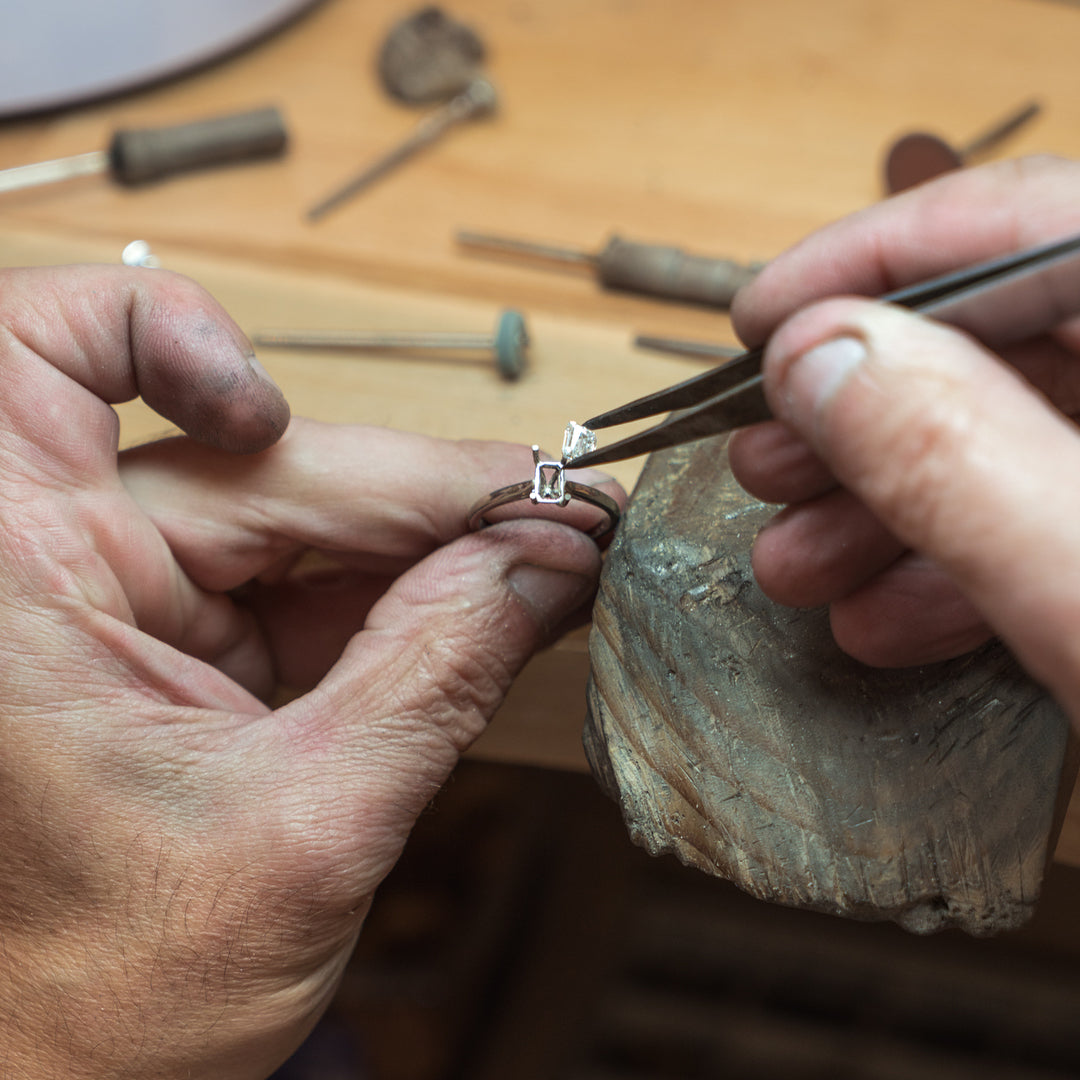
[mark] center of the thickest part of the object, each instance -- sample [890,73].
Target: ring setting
[549,486]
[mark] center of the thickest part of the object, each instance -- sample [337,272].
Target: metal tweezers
[731,395]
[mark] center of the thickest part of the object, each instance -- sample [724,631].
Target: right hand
[932,491]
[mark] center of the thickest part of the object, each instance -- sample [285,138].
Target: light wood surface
[730,129]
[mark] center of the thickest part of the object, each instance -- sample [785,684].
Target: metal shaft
[477,99]
[1001,130]
[348,339]
[52,172]
[504,245]
[507,345]
[705,350]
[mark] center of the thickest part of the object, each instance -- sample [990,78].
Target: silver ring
[548,486]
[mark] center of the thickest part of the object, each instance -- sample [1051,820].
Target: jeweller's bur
[477,99]
[921,155]
[507,344]
[633,266]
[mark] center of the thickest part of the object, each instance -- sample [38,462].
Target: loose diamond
[577,441]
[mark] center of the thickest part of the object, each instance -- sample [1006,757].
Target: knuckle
[463,682]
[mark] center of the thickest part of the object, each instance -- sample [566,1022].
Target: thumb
[435,658]
[960,457]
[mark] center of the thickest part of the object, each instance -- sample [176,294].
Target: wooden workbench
[729,129]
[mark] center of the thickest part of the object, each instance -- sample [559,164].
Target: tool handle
[670,272]
[137,155]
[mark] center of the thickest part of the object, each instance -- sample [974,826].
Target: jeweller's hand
[185,869]
[931,486]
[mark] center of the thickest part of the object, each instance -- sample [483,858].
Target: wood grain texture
[736,735]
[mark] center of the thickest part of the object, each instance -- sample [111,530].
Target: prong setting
[549,481]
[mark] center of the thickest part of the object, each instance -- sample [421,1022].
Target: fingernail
[812,379]
[551,594]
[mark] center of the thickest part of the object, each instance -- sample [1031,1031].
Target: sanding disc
[429,56]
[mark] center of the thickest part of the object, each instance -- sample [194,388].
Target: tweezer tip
[605,419]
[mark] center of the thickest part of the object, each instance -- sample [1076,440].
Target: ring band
[548,485]
[522,492]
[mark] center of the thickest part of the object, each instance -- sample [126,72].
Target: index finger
[375,497]
[80,335]
[957,220]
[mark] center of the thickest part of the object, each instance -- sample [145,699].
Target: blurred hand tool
[136,155]
[704,350]
[650,269]
[921,156]
[477,99]
[986,300]
[507,344]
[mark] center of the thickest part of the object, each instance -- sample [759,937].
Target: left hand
[185,869]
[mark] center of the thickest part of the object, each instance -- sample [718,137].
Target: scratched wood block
[735,734]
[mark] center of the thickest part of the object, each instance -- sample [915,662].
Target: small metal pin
[921,156]
[507,344]
[704,350]
[507,245]
[477,99]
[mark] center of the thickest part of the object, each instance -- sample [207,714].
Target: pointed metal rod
[506,245]
[1001,129]
[705,350]
[477,99]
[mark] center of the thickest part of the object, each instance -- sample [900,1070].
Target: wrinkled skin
[930,483]
[185,869]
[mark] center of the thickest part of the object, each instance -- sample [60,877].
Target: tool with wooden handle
[137,155]
[650,269]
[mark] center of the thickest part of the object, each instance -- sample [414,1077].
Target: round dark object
[429,57]
[918,157]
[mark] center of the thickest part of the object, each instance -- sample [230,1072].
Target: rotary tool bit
[650,269]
